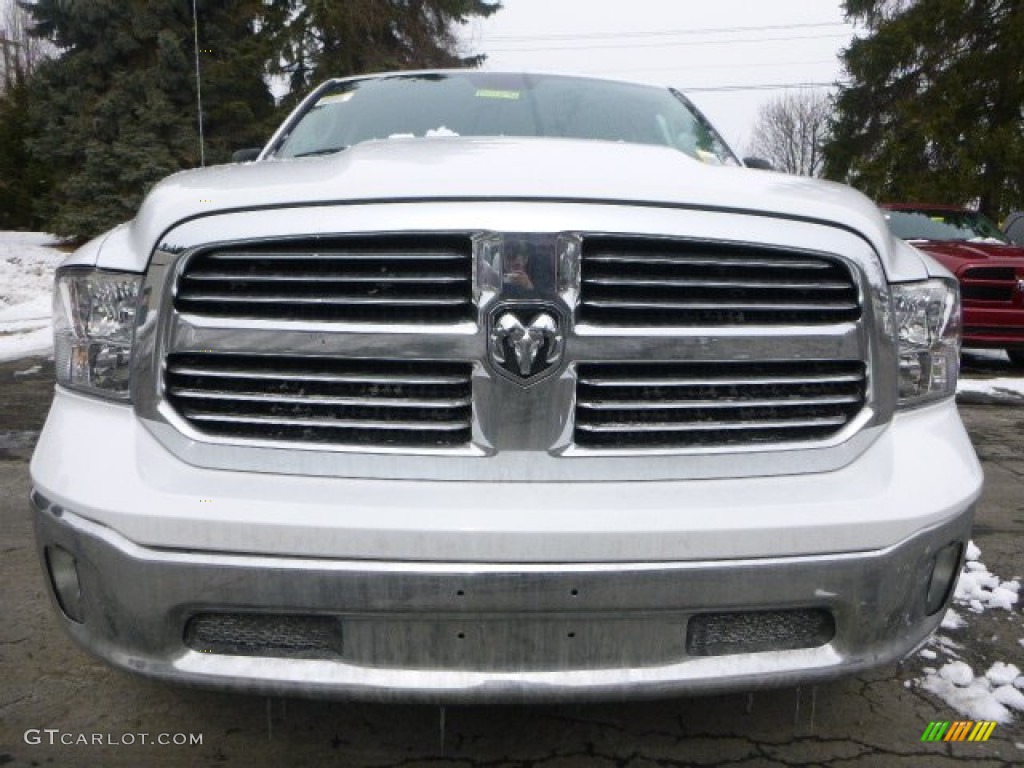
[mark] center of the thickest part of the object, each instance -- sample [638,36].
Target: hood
[961,252]
[502,168]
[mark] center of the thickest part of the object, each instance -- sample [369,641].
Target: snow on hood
[505,168]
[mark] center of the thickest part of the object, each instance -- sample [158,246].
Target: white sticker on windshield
[442,131]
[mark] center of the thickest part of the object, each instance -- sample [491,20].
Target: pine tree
[317,41]
[117,109]
[934,109]
[23,180]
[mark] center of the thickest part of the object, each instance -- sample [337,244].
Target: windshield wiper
[324,151]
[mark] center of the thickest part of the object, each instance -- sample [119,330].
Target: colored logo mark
[959,730]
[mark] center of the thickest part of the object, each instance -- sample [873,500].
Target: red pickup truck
[989,267]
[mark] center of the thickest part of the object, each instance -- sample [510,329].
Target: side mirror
[759,163]
[246,155]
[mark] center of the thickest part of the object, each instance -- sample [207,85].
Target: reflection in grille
[323,400]
[245,634]
[988,284]
[721,634]
[370,279]
[635,282]
[677,405]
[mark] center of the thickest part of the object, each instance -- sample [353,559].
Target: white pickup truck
[492,386]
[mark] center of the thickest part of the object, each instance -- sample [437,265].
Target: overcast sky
[690,44]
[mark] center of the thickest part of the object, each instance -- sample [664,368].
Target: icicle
[814,697]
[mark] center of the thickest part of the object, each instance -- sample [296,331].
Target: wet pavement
[51,691]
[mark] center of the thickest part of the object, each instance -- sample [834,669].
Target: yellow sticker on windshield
[489,93]
[335,98]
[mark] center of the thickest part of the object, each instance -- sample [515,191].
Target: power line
[688,44]
[665,33]
[690,68]
[758,87]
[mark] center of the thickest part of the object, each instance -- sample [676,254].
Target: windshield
[938,224]
[476,103]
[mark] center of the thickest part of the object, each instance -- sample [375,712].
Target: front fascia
[543,451]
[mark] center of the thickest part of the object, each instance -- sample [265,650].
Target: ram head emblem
[525,349]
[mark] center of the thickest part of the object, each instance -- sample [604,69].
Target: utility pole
[199,87]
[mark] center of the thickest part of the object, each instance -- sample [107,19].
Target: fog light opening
[945,570]
[63,570]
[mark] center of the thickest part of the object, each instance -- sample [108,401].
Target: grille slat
[725,403]
[688,404]
[722,283]
[399,279]
[323,400]
[340,301]
[347,378]
[666,283]
[413,252]
[257,418]
[708,426]
[778,306]
[597,380]
[686,260]
[324,278]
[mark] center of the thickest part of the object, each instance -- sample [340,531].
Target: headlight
[93,327]
[928,336]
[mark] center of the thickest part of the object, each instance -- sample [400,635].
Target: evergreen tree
[117,109]
[934,109]
[23,179]
[318,41]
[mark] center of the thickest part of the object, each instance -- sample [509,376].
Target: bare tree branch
[20,52]
[791,131]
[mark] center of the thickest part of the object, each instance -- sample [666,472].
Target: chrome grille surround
[516,434]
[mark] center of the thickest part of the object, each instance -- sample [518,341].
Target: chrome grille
[678,405]
[323,400]
[419,279]
[638,282]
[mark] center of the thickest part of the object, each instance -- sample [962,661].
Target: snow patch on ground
[979,589]
[1002,673]
[971,696]
[998,387]
[27,263]
[952,620]
[997,693]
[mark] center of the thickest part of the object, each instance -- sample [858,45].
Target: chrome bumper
[488,632]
